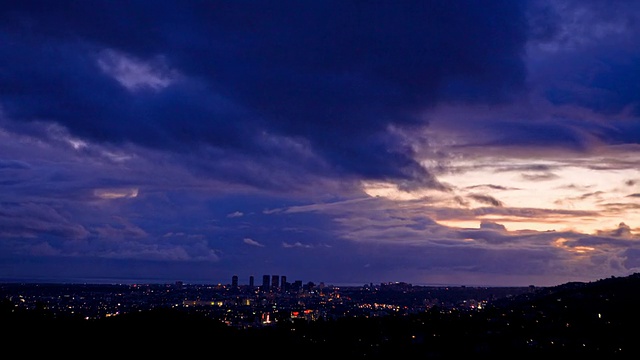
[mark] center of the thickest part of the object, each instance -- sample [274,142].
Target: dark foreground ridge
[595,318]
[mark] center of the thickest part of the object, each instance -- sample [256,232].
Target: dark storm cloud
[557,131]
[30,220]
[335,74]
[54,80]
[589,58]
[613,87]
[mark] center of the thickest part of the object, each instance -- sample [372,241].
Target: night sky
[480,143]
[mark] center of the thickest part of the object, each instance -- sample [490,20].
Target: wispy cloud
[252,242]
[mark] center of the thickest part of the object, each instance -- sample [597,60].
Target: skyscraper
[265,282]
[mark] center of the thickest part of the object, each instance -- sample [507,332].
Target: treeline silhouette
[595,318]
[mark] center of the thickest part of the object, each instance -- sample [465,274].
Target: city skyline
[488,143]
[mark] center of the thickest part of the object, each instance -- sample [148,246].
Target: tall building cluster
[271,283]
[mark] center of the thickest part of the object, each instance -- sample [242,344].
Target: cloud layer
[427,141]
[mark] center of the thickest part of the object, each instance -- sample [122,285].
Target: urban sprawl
[246,306]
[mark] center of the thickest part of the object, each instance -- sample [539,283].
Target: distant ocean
[95,281]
